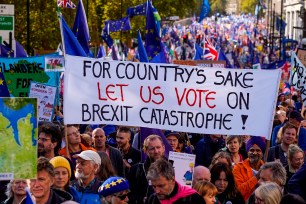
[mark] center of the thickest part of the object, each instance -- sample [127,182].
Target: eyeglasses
[43,139]
[121,197]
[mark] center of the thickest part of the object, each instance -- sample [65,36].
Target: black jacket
[139,185]
[58,196]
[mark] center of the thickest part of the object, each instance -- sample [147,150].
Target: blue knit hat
[113,185]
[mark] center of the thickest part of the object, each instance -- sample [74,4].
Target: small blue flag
[122,24]
[205,10]
[4,92]
[222,56]
[198,52]
[6,51]
[80,28]
[20,52]
[139,10]
[71,45]
[101,52]
[280,24]
[106,36]
[28,199]
[141,49]
[153,43]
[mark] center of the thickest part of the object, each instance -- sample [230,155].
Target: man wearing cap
[167,190]
[245,172]
[295,118]
[114,190]
[86,183]
[173,139]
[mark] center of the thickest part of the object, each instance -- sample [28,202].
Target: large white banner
[172,97]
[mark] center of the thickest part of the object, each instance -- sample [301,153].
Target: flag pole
[61,28]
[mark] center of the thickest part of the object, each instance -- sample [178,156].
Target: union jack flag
[66,4]
[210,52]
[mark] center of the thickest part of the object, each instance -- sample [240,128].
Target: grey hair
[9,192]
[269,192]
[278,172]
[293,149]
[160,167]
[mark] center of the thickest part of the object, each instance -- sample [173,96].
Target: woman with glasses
[114,191]
[268,193]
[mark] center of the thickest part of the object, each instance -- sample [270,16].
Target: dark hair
[54,131]
[43,164]
[106,168]
[292,198]
[231,191]
[124,129]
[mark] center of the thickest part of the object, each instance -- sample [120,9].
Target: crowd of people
[102,164]
[109,164]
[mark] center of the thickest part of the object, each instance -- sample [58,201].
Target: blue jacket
[296,184]
[87,195]
[205,149]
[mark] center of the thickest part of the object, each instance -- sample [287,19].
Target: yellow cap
[60,161]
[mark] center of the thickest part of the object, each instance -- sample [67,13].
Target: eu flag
[80,28]
[139,10]
[153,41]
[71,45]
[205,10]
[122,24]
[6,51]
[106,36]
[4,92]
[141,49]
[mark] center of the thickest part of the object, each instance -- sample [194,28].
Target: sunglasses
[122,197]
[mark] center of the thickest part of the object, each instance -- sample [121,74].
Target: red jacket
[244,178]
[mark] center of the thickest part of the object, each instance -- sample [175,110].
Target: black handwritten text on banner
[167,96]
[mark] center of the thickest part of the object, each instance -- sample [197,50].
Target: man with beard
[245,172]
[100,145]
[49,140]
[154,148]
[86,184]
[130,155]
[167,190]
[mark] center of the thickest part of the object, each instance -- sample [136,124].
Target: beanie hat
[113,185]
[60,161]
[256,140]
